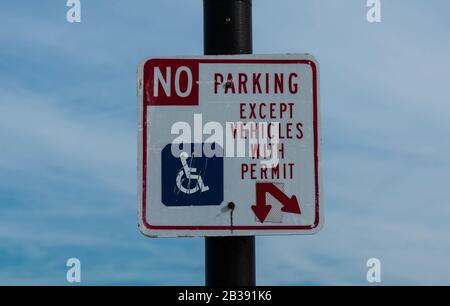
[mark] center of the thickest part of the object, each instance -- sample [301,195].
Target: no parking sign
[229,145]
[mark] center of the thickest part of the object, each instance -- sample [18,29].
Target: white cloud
[36,133]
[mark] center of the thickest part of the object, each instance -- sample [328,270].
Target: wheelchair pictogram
[186,175]
[190,178]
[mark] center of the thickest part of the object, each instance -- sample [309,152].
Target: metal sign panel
[229,145]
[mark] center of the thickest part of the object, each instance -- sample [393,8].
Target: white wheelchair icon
[187,171]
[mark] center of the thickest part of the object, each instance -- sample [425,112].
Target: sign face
[229,146]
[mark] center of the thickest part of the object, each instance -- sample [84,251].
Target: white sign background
[154,128]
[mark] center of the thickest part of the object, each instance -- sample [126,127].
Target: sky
[68,141]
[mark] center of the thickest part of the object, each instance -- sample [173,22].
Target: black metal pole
[227,28]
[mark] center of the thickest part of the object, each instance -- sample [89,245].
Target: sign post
[227,28]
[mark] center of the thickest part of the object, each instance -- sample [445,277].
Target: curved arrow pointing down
[262,209]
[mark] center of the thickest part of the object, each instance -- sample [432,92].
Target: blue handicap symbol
[190,177]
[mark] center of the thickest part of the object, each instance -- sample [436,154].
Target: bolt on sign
[229,146]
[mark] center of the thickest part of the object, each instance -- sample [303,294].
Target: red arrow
[262,209]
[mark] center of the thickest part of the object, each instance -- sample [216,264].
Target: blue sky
[68,140]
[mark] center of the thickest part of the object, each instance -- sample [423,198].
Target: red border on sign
[240,227]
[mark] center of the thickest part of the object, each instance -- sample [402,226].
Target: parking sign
[229,145]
